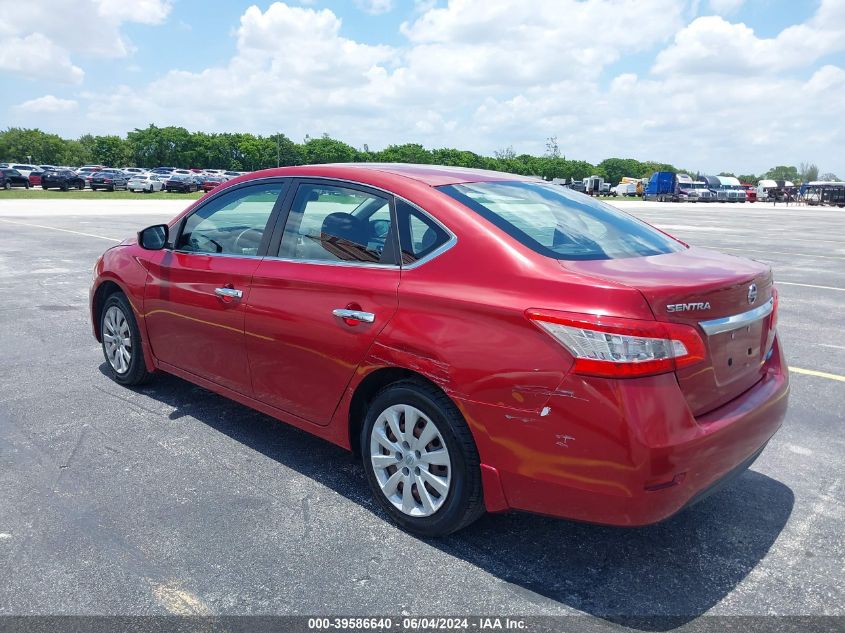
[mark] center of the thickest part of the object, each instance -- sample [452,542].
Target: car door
[317,305]
[196,291]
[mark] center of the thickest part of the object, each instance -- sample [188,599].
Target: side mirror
[153,238]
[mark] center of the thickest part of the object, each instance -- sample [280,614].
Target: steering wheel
[256,239]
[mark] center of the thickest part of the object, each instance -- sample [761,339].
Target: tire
[81,186]
[110,188]
[27,185]
[45,188]
[438,514]
[64,186]
[116,314]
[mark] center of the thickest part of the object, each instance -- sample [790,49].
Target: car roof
[432,175]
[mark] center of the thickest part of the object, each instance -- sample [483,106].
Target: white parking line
[54,228]
[751,250]
[792,283]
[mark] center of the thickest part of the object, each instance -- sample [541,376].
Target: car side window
[337,224]
[419,235]
[232,224]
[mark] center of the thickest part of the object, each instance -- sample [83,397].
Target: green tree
[457,158]
[783,172]
[750,179]
[327,150]
[808,172]
[111,151]
[617,168]
[407,153]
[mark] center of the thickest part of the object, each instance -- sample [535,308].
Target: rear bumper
[624,452]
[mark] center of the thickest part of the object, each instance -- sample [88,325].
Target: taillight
[621,348]
[773,322]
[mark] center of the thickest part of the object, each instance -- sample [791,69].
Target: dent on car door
[196,292]
[316,307]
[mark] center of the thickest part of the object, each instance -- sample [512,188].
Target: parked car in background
[35,178]
[25,170]
[662,186]
[133,171]
[180,183]
[212,182]
[63,179]
[148,183]
[10,177]
[574,360]
[750,191]
[109,179]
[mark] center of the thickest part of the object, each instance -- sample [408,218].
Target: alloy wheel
[410,460]
[117,338]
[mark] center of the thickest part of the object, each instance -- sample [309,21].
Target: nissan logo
[752,293]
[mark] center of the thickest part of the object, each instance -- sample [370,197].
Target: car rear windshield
[560,223]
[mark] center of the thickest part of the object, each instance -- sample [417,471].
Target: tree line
[177,147]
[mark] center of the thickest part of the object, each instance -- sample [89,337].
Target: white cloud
[485,74]
[711,44]
[47,103]
[39,39]
[726,6]
[375,7]
[35,56]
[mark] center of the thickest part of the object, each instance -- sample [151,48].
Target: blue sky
[735,85]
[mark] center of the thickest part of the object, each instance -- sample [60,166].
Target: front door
[315,309]
[196,293]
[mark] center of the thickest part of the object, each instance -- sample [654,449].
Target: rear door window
[329,223]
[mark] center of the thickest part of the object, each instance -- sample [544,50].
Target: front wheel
[122,342]
[421,461]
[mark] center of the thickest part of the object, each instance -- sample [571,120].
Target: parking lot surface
[168,499]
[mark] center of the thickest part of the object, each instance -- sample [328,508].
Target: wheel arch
[107,288]
[366,391]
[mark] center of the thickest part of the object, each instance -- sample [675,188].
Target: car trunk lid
[713,293]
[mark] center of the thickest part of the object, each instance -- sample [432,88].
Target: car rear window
[560,223]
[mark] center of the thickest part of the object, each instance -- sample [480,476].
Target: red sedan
[485,341]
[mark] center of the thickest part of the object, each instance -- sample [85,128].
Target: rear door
[196,293]
[318,304]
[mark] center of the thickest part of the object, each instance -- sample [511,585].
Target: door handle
[354,315]
[228,293]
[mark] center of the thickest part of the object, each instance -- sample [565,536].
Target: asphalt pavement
[168,499]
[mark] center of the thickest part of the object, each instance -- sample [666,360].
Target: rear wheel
[420,460]
[64,186]
[81,186]
[122,342]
